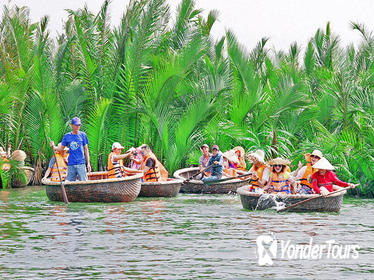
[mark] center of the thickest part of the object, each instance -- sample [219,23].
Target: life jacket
[116,169]
[62,162]
[260,172]
[229,171]
[305,180]
[279,182]
[153,174]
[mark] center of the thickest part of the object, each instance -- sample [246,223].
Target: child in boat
[304,173]
[324,178]
[62,161]
[280,180]
[261,173]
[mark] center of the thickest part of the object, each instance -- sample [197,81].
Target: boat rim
[48,182]
[170,181]
[183,170]
[244,191]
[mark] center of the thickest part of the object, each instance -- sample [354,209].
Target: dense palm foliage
[171,85]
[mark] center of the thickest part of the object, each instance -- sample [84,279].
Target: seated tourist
[324,178]
[304,173]
[217,169]
[230,161]
[204,159]
[280,180]
[150,165]
[61,160]
[261,173]
[116,168]
[240,154]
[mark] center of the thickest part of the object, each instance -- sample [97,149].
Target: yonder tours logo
[269,248]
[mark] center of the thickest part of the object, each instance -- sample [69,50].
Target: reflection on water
[185,237]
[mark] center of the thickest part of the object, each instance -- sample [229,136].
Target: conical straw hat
[279,161]
[259,154]
[19,155]
[231,156]
[324,164]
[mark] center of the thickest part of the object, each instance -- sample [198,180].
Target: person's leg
[209,179]
[82,172]
[72,173]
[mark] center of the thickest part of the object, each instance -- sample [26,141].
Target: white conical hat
[259,154]
[324,164]
[231,156]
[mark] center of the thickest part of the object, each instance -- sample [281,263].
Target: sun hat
[279,161]
[324,164]
[259,155]
[317,153]
[231,156]
[19,155]
[76,121]
[144,146]
[215,147]
[116,145]
[204,145]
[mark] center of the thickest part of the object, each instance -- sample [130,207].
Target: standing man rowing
[77,143]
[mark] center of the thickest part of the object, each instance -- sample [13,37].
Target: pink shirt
[326,181]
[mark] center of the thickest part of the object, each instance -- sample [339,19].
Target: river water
[187,237]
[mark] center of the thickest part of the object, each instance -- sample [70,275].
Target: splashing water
[274,201]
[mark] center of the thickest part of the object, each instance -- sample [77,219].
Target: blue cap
[76,121]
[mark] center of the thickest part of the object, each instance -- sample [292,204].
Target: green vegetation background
[171,85]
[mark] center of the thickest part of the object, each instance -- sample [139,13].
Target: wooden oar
[62,183]
[309,199]
[201,172]
[227,179]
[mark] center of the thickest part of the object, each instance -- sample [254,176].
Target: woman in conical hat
[280,179]
[240,153]
[304,173]
[261,173]
[324,178]
[230,162]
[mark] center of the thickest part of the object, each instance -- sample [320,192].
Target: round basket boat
[197,186]
[332,203]
[169,188]
[29,173]
[97,189]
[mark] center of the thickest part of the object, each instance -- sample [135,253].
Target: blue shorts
[77,170]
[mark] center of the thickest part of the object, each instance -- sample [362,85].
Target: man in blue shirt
[217,169]
[77,143]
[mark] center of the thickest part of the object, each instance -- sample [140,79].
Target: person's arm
[87,154]
[50,166]
[336,181]
[122,156]
[265,177]
[47,173]
[131,171]
[315,185]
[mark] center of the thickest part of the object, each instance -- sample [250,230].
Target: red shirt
[326,181]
